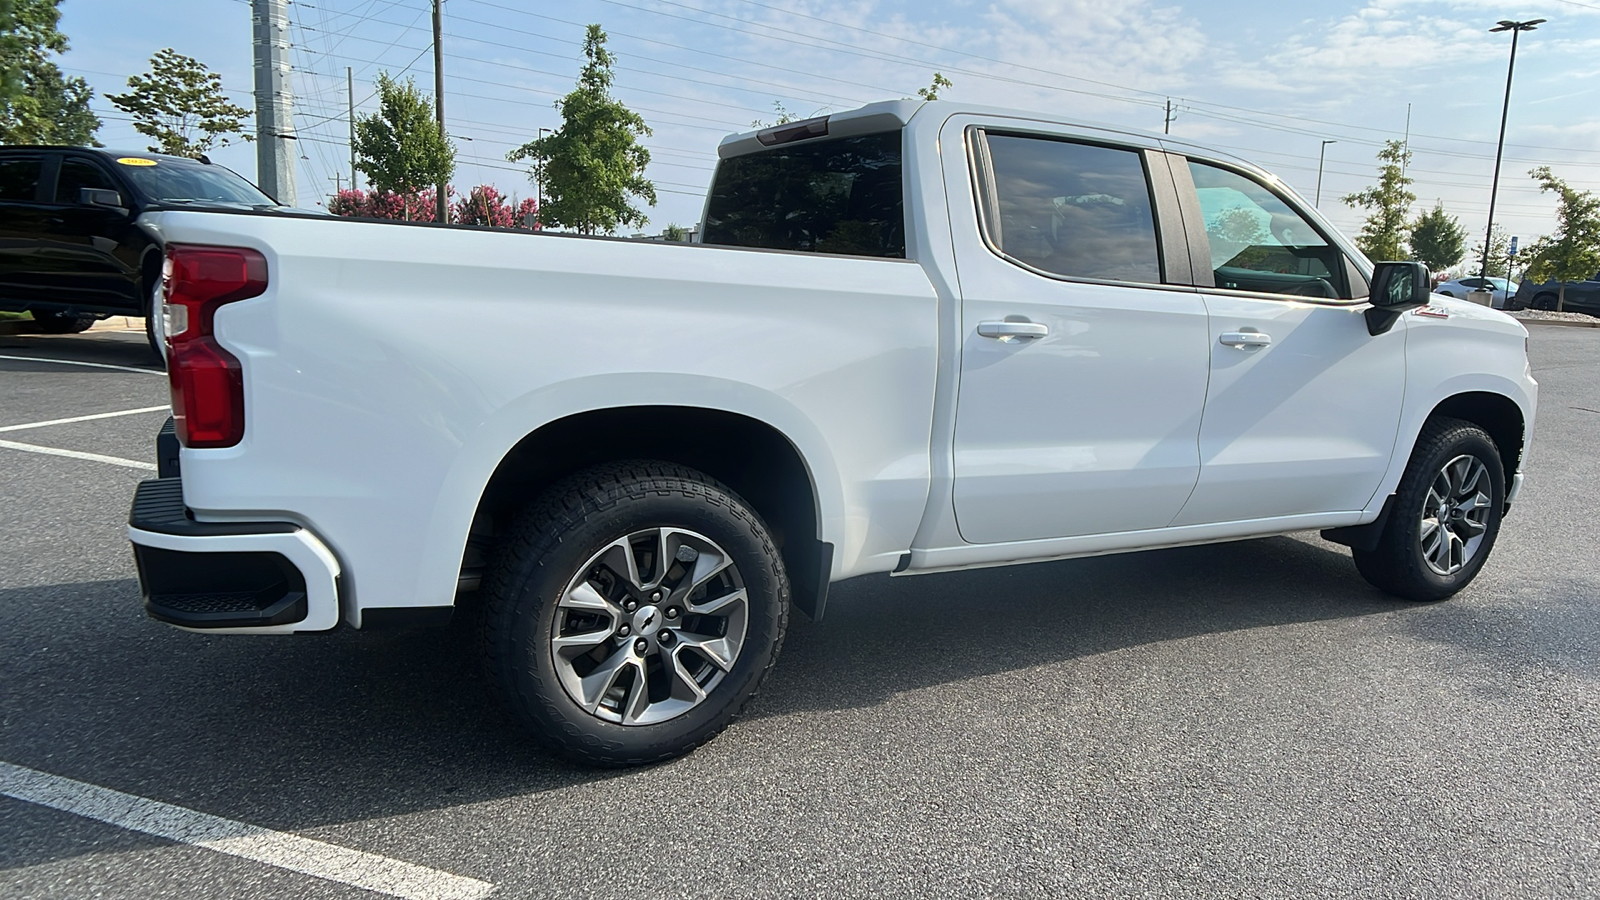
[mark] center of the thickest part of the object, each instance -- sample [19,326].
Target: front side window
[19,177]
[77,174]
[1075,210]
[836,196]
[1259,243]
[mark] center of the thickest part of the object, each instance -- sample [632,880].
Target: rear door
[1083,370]
[22,224]
[1302,405]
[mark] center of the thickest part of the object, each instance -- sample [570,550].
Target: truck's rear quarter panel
[389,369]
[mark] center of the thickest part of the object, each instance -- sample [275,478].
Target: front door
[93,251]
[1303,404]
[1083,375]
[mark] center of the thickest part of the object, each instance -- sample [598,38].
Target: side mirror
[1396,287]
[100,197]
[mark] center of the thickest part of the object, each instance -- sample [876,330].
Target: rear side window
[837,196]
[19,177]
[1077,210]
[77,174]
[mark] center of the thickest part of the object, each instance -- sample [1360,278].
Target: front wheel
[1544,301]
[632,611]
[1445,515]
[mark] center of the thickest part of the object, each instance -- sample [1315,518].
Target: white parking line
[275,848]
[73,362]
[109,415]
[77,454]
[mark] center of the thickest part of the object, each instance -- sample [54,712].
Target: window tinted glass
[1258,243]
[838,196]
[182,182]
[19,177]
[77,174]
[1074,209]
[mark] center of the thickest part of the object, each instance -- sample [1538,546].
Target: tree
[180,105]
[931,92]
[675,233]
[417,206]
[1383,235]
[485,205]
[401,148]
[784,116]
[1572,253]
[1499,254]
[1437,239]
[39,105]
[593,166]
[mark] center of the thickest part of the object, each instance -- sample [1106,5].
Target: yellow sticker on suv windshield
[136,161]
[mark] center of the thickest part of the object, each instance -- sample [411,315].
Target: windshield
[177,182]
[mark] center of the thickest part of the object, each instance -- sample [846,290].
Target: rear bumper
[236,577]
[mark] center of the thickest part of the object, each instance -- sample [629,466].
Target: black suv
[72,249]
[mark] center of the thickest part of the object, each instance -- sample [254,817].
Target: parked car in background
[1461,287]
[1582,296]
[74,246]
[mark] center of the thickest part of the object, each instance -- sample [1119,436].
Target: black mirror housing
[1397,287]
[100,197]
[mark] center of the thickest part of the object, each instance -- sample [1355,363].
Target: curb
[1564,322]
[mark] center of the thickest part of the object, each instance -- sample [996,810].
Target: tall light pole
[1320,158]
[442,189]
[538,181]
[1515,28]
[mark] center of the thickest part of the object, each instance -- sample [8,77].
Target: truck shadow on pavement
[296,733]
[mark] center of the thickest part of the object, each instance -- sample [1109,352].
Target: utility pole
[350,98]
[274,110]
[1168,128]
[1405,160]
[1321,158]
[439,190]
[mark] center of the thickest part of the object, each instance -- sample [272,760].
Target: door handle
[1005,331]
[1245,339]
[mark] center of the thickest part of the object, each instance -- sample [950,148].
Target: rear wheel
[62,323]
[632,611]
[1544,301]
[1444,517]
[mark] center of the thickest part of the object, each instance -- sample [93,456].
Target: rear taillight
[207,382]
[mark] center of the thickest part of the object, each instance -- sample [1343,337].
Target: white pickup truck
[916,337]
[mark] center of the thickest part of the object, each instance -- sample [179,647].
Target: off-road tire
[1397,565]
[544,550]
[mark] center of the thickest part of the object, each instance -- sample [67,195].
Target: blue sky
[1267,80]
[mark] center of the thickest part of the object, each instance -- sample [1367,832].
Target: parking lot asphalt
[1238,720]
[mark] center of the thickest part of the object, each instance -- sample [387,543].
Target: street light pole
[1320,158]
[538,180]
[1515,28]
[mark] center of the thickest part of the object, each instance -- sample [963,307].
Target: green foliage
[1437,239]
[784,116]
[1499,254]
[401,148]
[39,105]
[593,166]
[1572,253]
[1383,235]
[931,92]
[675,233]
[180,106]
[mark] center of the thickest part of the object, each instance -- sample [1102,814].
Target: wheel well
[1496,414]
[747,455]
[150,276]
